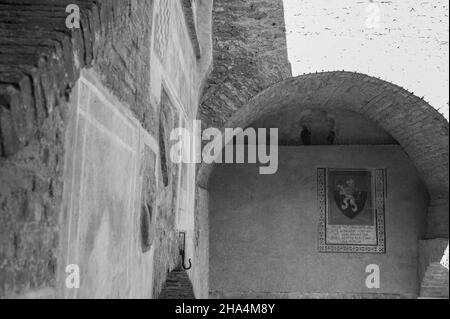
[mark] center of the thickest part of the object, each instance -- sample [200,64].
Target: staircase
[177,286]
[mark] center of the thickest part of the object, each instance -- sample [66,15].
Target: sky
[405,42]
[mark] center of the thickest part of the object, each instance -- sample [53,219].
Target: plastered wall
[101,221]
[264,229]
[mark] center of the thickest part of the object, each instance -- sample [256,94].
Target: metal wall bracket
[183,251]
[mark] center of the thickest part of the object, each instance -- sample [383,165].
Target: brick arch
[418,127]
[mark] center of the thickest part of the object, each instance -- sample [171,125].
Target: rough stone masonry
[155,65]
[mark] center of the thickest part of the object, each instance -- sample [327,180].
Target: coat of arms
[349,199]
[351,205]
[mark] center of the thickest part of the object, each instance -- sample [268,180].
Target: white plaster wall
[101,211]
[409,47]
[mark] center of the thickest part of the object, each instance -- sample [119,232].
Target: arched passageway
[421,131]
[361,110]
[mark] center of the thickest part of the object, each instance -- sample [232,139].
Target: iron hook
[190,264]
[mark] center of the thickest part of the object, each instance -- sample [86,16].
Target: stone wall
[40,63]
[250,54]
[178,74]
[40,60]
[152,57]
